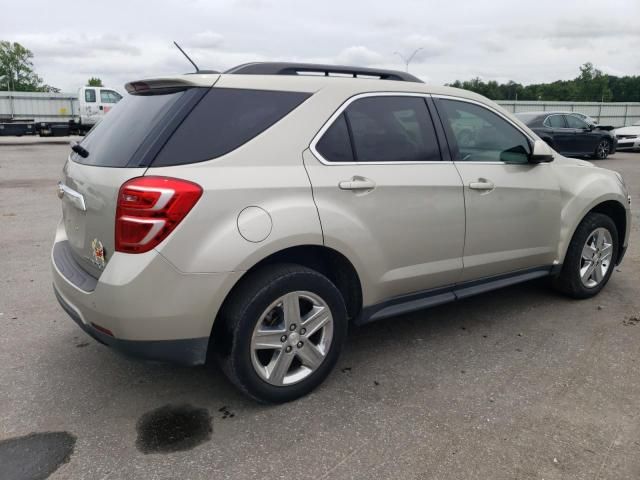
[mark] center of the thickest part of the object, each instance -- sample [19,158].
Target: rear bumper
[152,309]
[191,351]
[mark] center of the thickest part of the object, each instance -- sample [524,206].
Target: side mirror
[541,152]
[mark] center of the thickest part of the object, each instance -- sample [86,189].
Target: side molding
[431,298]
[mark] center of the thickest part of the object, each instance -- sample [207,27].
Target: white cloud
[359,56]
[429,46]
[498,40]
[207,39]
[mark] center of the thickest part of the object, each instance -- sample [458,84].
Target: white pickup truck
[58,114]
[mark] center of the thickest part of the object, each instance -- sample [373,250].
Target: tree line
[17,73]
[591,85]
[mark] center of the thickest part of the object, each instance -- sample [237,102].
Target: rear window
[223,120]
[114,140]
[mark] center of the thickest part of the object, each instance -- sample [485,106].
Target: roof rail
[285,68]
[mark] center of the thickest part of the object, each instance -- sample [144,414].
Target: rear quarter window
[335,144]
[115,140]
[223,120]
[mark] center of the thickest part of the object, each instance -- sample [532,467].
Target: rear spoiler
[160,86]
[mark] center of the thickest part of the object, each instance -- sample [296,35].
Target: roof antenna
[188,58]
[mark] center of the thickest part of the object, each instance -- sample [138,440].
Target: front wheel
[282,332]
[602,150]
[590,258]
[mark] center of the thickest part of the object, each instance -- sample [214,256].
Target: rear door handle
[482,185]
[357,183]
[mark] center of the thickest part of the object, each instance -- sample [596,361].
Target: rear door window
[392,129]
[555,121]
[225,119]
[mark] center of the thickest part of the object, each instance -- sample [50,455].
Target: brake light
[148,210]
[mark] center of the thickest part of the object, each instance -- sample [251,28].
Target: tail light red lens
[148,210]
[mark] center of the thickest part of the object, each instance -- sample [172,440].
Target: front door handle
[482,184]
[357,183]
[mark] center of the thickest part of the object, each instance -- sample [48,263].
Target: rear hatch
[120,147]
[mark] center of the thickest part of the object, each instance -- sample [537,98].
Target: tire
[255,317]
[570,281]
[602,149]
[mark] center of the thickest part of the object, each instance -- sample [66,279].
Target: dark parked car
[569,135]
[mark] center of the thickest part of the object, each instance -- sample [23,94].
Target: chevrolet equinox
[251,216]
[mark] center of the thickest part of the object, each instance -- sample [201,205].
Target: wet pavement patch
[173,428]
[35,456]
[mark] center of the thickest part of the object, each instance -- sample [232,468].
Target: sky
[528,42]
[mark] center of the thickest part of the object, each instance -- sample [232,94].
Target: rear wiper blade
[79,149]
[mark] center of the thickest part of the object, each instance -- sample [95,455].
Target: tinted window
[392,129]
[483,136]
[114,140]
[555,121]
[223,120]
[109,96]
[335,145]
[90,95]
[575,122]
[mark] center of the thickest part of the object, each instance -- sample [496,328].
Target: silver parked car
[251,216]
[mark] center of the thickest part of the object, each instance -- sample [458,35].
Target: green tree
[16,70]
[591,85]
[94,82]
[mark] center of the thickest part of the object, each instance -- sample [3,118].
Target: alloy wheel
[596,257]
[292,338]
[603,149]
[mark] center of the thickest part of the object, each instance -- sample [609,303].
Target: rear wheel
[283,329]
[590,258]
[603,149]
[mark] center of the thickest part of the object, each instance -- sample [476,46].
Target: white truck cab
[95,102]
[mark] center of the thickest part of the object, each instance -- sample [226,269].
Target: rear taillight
[149,208]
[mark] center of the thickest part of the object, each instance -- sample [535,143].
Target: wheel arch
[331,263]
[617,212]
[614,209]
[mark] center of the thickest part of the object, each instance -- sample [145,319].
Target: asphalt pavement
[520,383]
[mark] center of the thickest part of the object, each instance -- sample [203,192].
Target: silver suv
[251,216]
